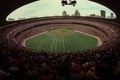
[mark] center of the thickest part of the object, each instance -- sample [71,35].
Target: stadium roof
[7,6]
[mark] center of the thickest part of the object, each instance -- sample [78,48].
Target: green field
[61,40]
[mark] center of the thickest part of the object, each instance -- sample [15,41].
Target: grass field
[61,40]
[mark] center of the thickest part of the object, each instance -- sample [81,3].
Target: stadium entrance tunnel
[38,9]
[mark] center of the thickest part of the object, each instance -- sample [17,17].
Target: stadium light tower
[70,2]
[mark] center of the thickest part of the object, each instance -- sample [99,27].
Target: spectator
[91,75]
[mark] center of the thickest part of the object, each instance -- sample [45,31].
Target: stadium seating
[19,62]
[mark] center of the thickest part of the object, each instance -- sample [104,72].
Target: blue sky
[53,7]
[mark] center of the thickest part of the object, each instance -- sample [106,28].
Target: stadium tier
[54,62]
[17,33]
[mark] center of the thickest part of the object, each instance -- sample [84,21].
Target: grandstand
[29,64]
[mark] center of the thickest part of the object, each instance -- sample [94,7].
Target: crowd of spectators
[20,63]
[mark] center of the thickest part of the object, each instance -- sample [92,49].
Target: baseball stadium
[60,48]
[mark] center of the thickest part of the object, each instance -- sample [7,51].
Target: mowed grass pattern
[61,40]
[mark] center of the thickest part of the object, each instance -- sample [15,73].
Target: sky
[43,8]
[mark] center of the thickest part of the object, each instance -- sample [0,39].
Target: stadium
[30,28]
[60,48]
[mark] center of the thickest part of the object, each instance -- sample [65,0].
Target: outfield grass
[61,40]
